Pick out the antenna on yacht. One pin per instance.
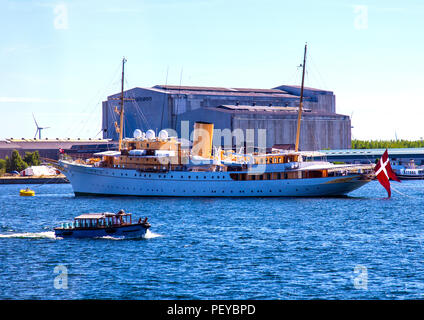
(299, 115)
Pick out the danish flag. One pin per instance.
(384, 172)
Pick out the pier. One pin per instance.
(33, 180)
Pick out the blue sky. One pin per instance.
(60, 59)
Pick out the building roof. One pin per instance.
(46, 144)
(287, 92)
(262, 108)
(218, 89)
(193, 88)
(242, 92)
(294, 89)
(375, 152)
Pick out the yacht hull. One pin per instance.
(87, 180)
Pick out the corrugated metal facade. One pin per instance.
(273, 110)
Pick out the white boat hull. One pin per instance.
(87, 180)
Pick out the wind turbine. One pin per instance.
(38, 129)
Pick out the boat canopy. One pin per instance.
(112, 153)
(100, 215)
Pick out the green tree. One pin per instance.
(16, 162)
(7, 159)
(2, 166)
(383, 144)
(32, 158)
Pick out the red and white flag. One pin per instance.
(384, 172)
(61, 150)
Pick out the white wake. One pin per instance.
(46, 235)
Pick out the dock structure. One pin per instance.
(399, 155)
(235, 109)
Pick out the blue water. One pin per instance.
(216, 248)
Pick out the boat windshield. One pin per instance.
(102, 220)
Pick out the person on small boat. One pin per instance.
(119, 215)
(144, 221)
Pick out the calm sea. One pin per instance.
(360, 247)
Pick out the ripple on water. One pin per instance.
(218, 248)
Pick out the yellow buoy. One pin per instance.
(26, 192)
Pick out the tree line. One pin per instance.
(383, 144)
(17, 163)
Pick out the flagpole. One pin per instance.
(121, 115)
(299, 114)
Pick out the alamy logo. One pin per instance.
(361, 17)
(61, 280)
(60, 17)
(361, 280)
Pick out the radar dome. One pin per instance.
(138, 134)
(163, 135)
(150, 134)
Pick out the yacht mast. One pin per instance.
(121, 114)
(299, 115)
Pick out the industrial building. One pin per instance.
(235, 109)
(49, 148)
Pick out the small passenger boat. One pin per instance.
(95, 225)
(410, 173)
(26, 192)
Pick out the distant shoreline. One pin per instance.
(34, 180)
